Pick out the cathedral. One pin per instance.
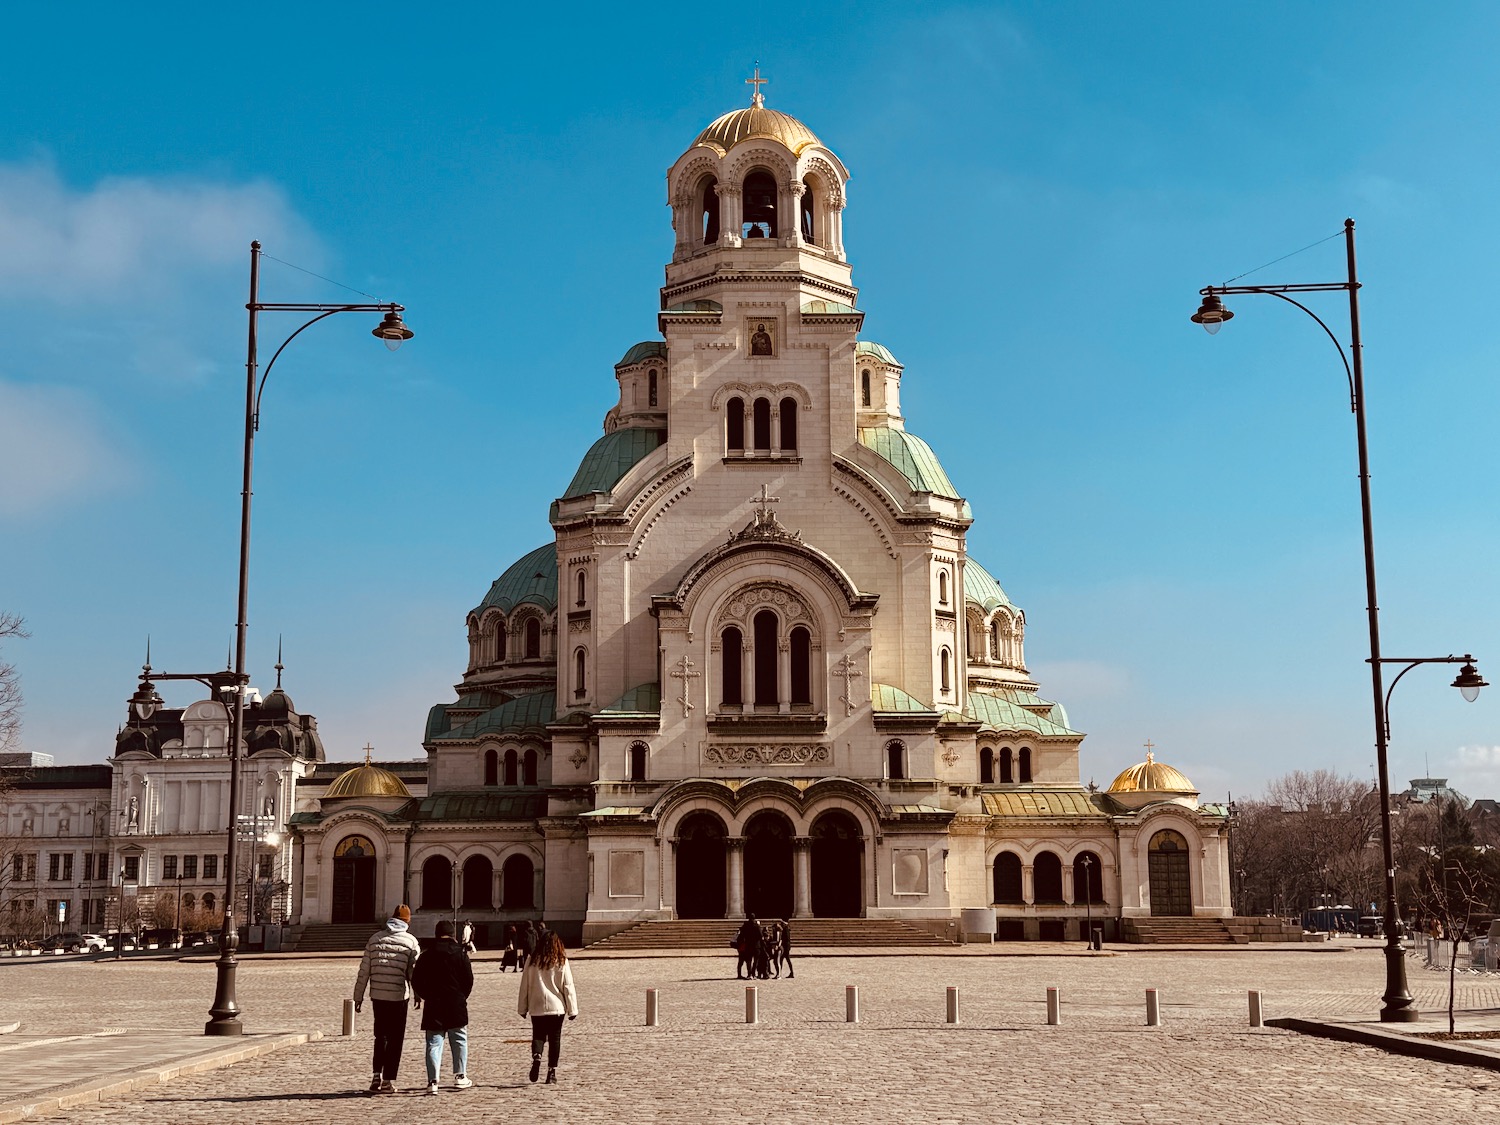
(756, 670)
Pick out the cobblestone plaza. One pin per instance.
(802, 1062)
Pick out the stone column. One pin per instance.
(1067, 888)
(731, 215)
(794, 193)
(802, 876)
(784, 675)
(734, 852)
(1028, 883)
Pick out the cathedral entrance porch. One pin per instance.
(1171, 882)
(354, 880)
(837, 866)
(702, 856)
(768, 866)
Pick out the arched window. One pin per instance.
(437, 884)
(765, 658)
(708, 198)
(942, 587)
(511, 762)
(732, 651)
(1046, 874)
(189, 903)
(528, 768)
(734, 425)
(986, 766)
(1008, 878)
(651, 387)
(801, 667)
(638, 752)
(864, 387)
(582, 584)
(761, 423)
(788, 423)
(945, 671)
(1025, 757)
(759, 195)
(209, 902)
(809, 229)
(1088, 879)
(1007, 767)
(580, 687)
(895, 760)
(533, 638)
(500, 638)
(478, 884)
(517, 877)
(996, 648)
(491, 767)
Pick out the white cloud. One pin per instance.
(1477, 771)
(53, 448)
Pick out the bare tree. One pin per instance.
(1456, 886)
(11, 625)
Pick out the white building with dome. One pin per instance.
(755, 669)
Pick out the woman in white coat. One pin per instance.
(547, 995)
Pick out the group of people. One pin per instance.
(763, 948)
(438, 980)
(520, 944)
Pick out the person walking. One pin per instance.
(784, 948)
(525, 943)
(547, 995)
(747, 943)
(386, 968)
(443, 980)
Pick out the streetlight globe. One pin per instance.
(391, 331)
(1469, 681)
(1211, 314)
(145, 701)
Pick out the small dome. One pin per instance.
(1151, 776)
(981, 588)
(531, 578)
(277, 705)
(367, 781)
(758, 121)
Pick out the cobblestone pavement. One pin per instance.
(802, 1062)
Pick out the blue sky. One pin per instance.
(1038, 192)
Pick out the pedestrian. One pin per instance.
(509, 960)
(386, 967)
(547, 995)
(784, 948)
(525, 943)
(443, 980)
(747, 944)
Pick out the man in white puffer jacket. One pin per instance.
(386, 967)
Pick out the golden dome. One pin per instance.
(1151, 776)
(758, 121)
(367, 781)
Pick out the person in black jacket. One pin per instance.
(443, 979)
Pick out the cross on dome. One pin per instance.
(757, 100)
(1150, 746)
(368, 751)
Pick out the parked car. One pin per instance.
(197, 937)
(93, 943)
(64, 943)
(1371, 925)
(113, 940)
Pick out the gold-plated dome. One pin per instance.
(1151, 776)
(758, 121)
(367, 781)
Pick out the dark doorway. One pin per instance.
(1171, 884)
(353, 880)
(517, 884)
(768, 866)
(837, 867)
(700, 866)
(478, 884)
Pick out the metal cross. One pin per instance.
(1150, 746)
(368, 751)
(849, 670)
(763, 504)
(687, 673)
(758, 98)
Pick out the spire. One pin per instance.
(146, 667)
(279, 665)
(757, 99)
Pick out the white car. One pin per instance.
(93, 943)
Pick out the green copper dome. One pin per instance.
(981, 588)
(532, 578)
(912, 456)
(610, 458)
(868, 347)
(646, 349)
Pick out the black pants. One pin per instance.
(547, 1029)
(390, 1035)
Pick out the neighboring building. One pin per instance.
(1425, 789)
(54, 849)
(756, 669)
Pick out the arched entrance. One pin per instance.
(1171, 882)
(768, 865)
(353, 880)
(837, 866)
(700, 866)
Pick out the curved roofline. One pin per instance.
(825, 563)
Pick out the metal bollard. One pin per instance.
(952, 1004)
(752, 1005)
(650, 1007)
(1054, 1008)
(348, 1018)
(1153, 1008)
(1255, 1012)
(851, 1004)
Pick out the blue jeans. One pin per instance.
(458, 1040)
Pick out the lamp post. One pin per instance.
(224, 1016)
(179, 904)
(1088, 900)
(1397, 1006)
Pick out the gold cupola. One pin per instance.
(1151, 781)
(367, 781)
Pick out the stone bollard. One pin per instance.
(348, 1018)
(752, 1005)
(650, 1007)
(952, 1004)
(851, 1003)
(1054, 1008)
(1153, 1008)
(1255, 1012)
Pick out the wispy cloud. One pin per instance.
(53, 448)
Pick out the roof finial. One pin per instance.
(368, 751)
(757, 100)
(147, 666)
(1149, 747)
(279, 665)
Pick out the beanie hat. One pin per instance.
(402, 912)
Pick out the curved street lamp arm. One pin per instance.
(1280, 291)
(266, 374)
(1413, 662)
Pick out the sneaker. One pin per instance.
(536, 1067)
(387, 1086)
(432, 1087)
(462, 1082)
(375, 1085)
(551, 1076)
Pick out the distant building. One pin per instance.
(1425, 789)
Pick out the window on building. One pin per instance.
(512, 764)
(1025, 759)
(801, 667)
(708, 212)
(734, 425)
(437, 884)
(210, 903)
(518, 878)
(760, 420)
(758, 197)
(491, 767)
(986, 766)
(942, 587)
(189, 867)
(638, 753)
(1046, 874)
(210, 868)
(533, 638)
(88, 866)
(189, 903)
(1088, 879)
(528, 768)
(500, 638)
(945, 671)
(732, 654)
(788, 423)
(169, 867)
(132, 869)
(581, 583)
(580, 688)
(765, 659)
(808, 225)
(895, 761)
(478, 883)
(264, 866)
(651, 388)
(864, 388)
(1008, 878)
(1007, 767)
(54, 867)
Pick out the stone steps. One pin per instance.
(716, 933)
(333, 937)
(1176, 931)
